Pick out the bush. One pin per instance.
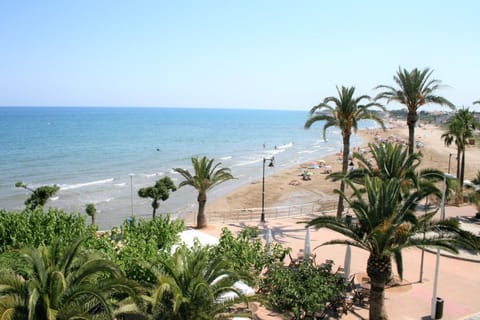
(248, 255)
(138, 241)
(303, 288)
(35, 228)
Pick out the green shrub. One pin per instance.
(248, 255)
(300, 288)
(138, 241)
(35, 228)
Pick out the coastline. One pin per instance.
(285, 187)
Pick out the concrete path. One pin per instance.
(458, 282)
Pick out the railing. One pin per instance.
(253, 214)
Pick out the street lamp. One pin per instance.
(131, 192)
(449, 160)
(262, 218)
(437, 262)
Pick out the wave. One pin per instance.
(86, 184)
(226, 158)
(151, 175)
(123, 184)
(285, 146)
(306, 151)
(54, 198)
(246, 162)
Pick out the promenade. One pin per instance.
(458, 282)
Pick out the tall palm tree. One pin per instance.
(63, 283)
(206, 176)
(386, 224)
(461, 127)
(190, 284)
(160, 191)
(345, 113)
(413, 89)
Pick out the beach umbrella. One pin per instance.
(347, 262)
(306, 249)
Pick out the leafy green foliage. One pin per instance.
(160, 191)
(39, 196)
(61, 281)
(248, 255)
(300, 288)
(91, 211)
(35, 228)
(138, 241)
(190, 283)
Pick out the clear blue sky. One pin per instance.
(235, 54)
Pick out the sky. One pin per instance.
(230, 53)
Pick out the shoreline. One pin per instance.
(286, 187)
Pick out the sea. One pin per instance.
(103, 155)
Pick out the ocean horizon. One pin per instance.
(100, 155)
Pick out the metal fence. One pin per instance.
(254, 214)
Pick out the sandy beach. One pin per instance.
(287, 188)
(458, 281)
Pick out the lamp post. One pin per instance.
(262, 218)
(449, 160)
(437, 262)
(131, 192)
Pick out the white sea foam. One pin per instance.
(151, 175)
(246, 162)
(285, 146)
(123, 184)
(54, 198)
(306, 151)
(86, 184)
(226, 158)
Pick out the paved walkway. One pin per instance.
(458, 283)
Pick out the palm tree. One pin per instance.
(91, 211)
(461, 127)
(160, 191)
(190, 284)
(392, 160)
(414, 89)
(207, 175)
(39, 196)
(345, 113)
(63, 283)
(386, 224)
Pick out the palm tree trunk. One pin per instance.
(411, 122)
(201, 217)
(346, 153)
(154, 212)
(462, 172)
(379, 269)
(459, 172)
(377, 297)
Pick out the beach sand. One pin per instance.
(458, 281)
(287, 188)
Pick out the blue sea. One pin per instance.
(91, 152)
